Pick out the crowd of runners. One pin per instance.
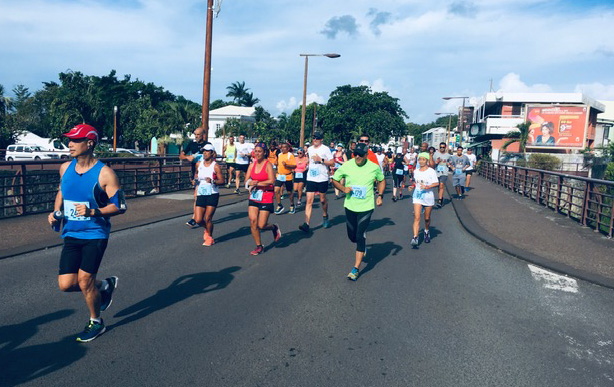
(269, 174)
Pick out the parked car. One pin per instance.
(133, 152)
(47, 144)
(20, 152)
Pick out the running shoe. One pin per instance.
(279, 210)
(106, 295)
(258, 250)
(353, 275)
(394, 199)
(237, 191)
(427, 237)
(401, 196)
(283, 196)
(228, 185)
(304, 227)
(325, 222)
(208, 242)
(192, 223)
(292, 210)
(92, 330)
(276, 232)
(414, 241)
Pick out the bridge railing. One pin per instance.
(589, 201)
(30, 187)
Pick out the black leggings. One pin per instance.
(357, 224)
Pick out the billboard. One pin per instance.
(557, 126)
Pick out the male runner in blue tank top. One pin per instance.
(89, 194)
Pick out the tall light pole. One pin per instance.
(449, 124)
(114, 129)
(207, 76)
(302, 140)
(461, 119)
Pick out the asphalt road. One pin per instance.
(451, 313)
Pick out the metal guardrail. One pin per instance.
(589, 201)
(30, 187)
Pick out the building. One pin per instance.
(435, 136)
(604, 133)
(561, 123)
(218, 118)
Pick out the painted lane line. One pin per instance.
(554, 281)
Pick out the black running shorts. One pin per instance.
(84, 254)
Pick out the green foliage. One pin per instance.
(416, 130)
(520, 136)
(240, 95)
(353, 110)
(544, 162)
(609, 172)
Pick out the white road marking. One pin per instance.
(176, 196)
(554, 281)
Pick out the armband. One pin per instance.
(119, 199)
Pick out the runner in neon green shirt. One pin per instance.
(359, 176)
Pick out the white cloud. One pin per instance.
(377, 86)
(292, 103)
(597, 90)
(511, 83)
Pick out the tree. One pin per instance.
(521, 136)
(353, 110)
(248, 100)
(240, 95)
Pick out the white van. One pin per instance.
(21, 152)
(47, 144)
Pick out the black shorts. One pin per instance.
(231, 165)
(397, 180)
(468, 173)
(84, 254)
(241, 167)
(289, 184)
(300, 180)
(313, 186)
(207, 200)
(261, 206)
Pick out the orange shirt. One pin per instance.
(371, 156)
(281, 170)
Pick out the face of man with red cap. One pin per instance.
(83, 138)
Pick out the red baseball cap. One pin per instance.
(83, 131)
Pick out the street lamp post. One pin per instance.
(114, 128)
(207, 74)
(461, 119)
(302, 139)
(449, 124)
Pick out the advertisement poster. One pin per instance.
(557, 126)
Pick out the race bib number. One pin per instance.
(406, 168)
(298, 175)
(231, 157)
(70, 211)
(281, 177)
(418, 193)
(256, 195)
(442, 168)
(359, 192)
(399, 171)
(337, 165)
(314, 172)
(204, 189)
(458, 171)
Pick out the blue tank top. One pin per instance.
(84, 189)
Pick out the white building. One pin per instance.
(218, 117)
(604, 134)
(435, 136)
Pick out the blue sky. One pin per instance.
(416, 50)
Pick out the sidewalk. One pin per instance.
(32, 232)
(526, 230)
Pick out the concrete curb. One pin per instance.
(55, 242)
(475, 229)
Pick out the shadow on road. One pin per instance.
(238, 233)
(181, 289)
(20, 365)
(231, 216)
(377, 253)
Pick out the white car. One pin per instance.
(21, 152)
(133, 152)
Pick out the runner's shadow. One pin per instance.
(20, 365)
(181, 289)
(379, 223)
(435, 232)
(232, 216)
(238, 233)
(377, 253)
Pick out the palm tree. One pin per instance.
(5, 103)
(521, 136)
(248, 100)
(237, 91)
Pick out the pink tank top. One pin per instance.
(267, 191)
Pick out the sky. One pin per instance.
(417, 51)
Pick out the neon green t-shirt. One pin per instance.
(361, 179)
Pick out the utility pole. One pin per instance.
(207, 75)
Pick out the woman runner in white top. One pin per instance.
(209, 176)
(423, 196)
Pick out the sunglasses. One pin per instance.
(363, 141)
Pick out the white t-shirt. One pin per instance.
(410, 158)
(318, 173)
(472, 159)
(380, 160)
(244, 152)
(426, 197)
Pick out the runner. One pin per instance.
(300, 174)
(364, 139)
(88, 196)
(190, 152)
(380, 156)
(230, 156)
(442, 161)
(398, 174)
(244, 151)
(209, 176)
(425, 179)
(359, 175)
(349, 154)
(424, 147)
(469, 171)
(340, 158)
(261, 191)
(320, 158)
(459, 163)
(285, 166)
